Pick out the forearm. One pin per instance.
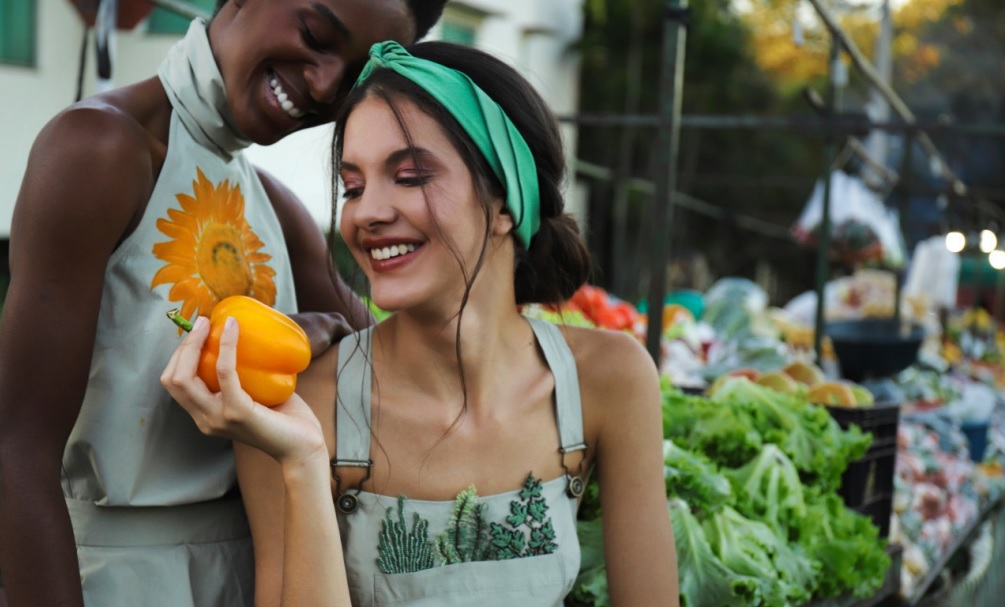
(37, 551)
(313, 564)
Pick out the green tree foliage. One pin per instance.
(765, 174)
(964, 79)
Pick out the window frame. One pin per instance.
(29, 29)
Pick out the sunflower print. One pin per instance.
(212, 253)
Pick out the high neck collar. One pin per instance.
(195, 88)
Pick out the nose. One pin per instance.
(324, 78)
(372, 209)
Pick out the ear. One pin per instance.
(502, 221)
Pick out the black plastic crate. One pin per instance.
(880, 510)
(870, 477)
(880, 420)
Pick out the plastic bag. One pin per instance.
(731, 304)
(933, 275)
(863, 229)
(750, 352)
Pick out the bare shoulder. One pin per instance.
(317, 386)
(322, 368)
(287, 204)
(122, 121)
(88, 136)
(90, 152)
(618, 381)
(294, 218)
(610, 363)
(273, 186)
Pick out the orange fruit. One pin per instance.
(833, 393)
(779, 382)
(804, 372)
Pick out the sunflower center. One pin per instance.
(221, 261)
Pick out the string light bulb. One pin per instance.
(988, 241)
(997, 259)
(956, 241)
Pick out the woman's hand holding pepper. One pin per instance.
(289, 432)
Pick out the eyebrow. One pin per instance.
(332, 18)
(406, 153)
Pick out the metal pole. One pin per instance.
(999, 309)
(905, 194)
(619, 247)
(671, 86)
(887, 91)
(824, 236)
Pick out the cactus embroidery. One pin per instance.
(527, 531)
(400, 550)
(466, 537)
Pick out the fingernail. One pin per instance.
(199, 322)
(230, 323)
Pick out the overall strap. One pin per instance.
(352, 407)
(568, 408)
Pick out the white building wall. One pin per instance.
(533, 35)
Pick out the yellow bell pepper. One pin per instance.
(271, 350)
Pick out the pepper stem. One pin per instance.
(178, 319)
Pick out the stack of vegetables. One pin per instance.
(938, 494)
(592, 306)
(751, 479)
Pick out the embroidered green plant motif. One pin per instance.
(526, 532)
(400, 550)
(466, 538)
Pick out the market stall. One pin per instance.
(766, 451)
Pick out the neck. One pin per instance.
(423, 351)
(194, 86)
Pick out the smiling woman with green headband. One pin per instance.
(445, 450)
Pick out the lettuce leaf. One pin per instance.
(768, 489)
(705, 581)
(847, 544)
(693, 478)
(786, 575)
(807, 433)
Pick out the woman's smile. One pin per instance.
(395, 250)
(283, 98)
(388, 257)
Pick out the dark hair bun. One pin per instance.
(556, 264)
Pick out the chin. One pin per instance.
(388, 304)
(265, 137)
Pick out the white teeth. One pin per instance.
(284, 100)
(391, 251)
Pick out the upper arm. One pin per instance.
(622, 405)
(87, 175)
(318, 286)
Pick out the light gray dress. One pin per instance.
(155, 514)
(514, 548)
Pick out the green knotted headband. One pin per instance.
(484, 121)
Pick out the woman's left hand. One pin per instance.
(289, 432)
